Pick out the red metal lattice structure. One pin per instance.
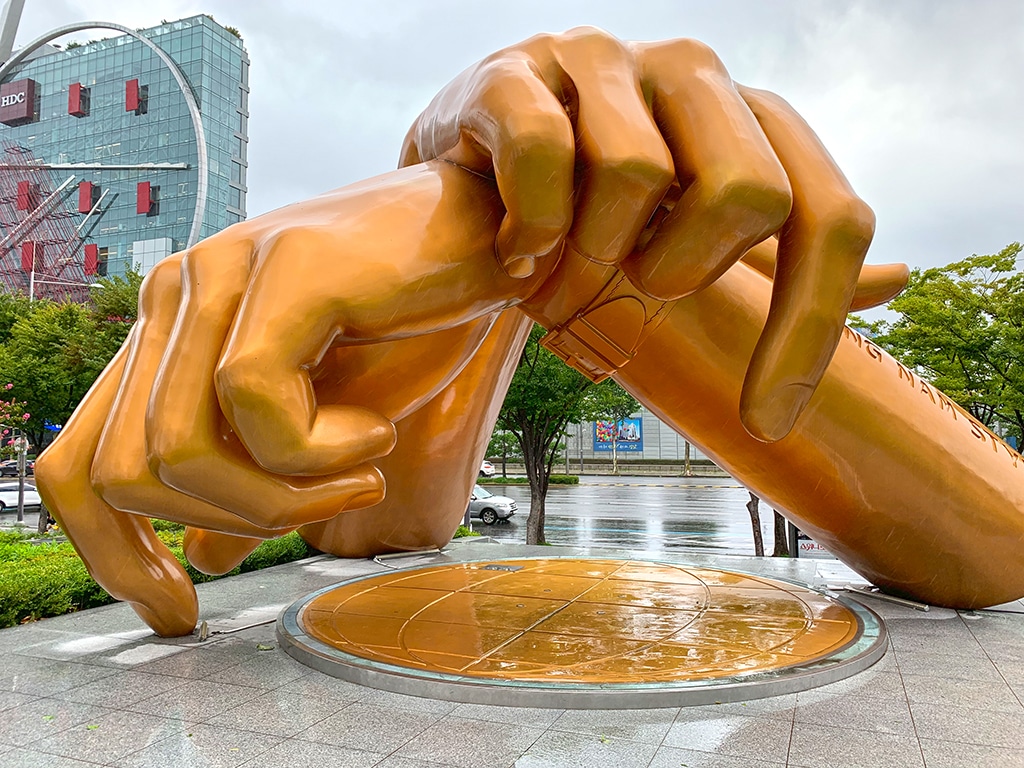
(37, 229)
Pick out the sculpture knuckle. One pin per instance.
(696, 52)
(236, 376)
(687, 53)
(162, 271)
(591, 34)
(101, 477)
(849, 218)
(766, 199)
(547, 132)
(50, 468)
(649, 169)
(167, 448)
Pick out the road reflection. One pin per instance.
(705, 515)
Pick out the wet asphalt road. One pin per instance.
(706, 515)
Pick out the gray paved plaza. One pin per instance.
(97, 688)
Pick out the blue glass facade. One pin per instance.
(111, 113)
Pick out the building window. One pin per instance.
(237, 173)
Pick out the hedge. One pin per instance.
(42, 580)
(552, 480)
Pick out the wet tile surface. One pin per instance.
(954, 702)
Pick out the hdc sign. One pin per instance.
(17, 102)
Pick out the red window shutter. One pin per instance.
(25, 190)
(28, 250)
(85, 196)
(143, 197)
(131, 95)
(76, 100)
(92, 258)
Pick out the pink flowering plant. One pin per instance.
(12, 416)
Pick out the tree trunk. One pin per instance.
(615, 451)
(537, 473)
(535, 522)
(686, 460)
(781, 540)
(755, 522)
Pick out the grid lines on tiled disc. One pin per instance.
(580, 620)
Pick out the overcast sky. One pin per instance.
(920, 102)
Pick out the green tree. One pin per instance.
(12, 307)
(544, 397)
(52, 352)
(962, 327)
(117, 298)
(610, 402)
(504, 444)
(50, 360)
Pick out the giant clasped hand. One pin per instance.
(334, 363)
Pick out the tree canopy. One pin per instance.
(962, 327)
(52, 352)
(610, 402)
(545, 396)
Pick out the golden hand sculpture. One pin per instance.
(283, 368)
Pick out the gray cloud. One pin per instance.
(920, 102)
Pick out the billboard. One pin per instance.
(630, 435)
(18, 102)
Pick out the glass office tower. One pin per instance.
(120, 151)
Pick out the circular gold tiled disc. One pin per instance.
(579, 621)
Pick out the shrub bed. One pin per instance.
(553, 480)
(49, 579)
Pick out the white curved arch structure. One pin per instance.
(179, 77)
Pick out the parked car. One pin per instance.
(486, 469)
(490, 508)
(9, 498)
(9, 467)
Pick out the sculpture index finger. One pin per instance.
(821, 251)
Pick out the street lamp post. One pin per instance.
(21, 445)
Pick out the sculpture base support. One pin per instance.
(581, 633)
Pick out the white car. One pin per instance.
(9, 497)
(490, 508)
(486, 469)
